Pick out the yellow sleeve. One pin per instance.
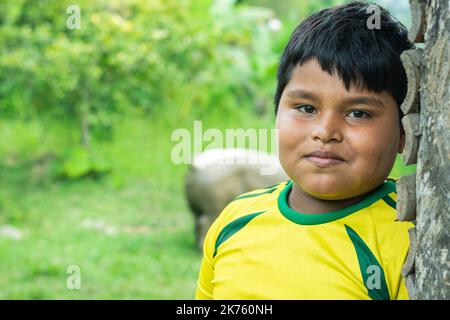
(204, 285)
(206, 275)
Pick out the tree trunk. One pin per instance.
(432, 274)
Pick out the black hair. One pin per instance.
(341, 41)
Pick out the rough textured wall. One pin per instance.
(432, 259)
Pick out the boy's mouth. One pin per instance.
(324, 154)
(323, 158)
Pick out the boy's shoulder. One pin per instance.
(252, 202)
(263, 192)
(241, 210)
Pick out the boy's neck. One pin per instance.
(300, 201)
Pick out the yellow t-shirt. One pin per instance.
(260, 248)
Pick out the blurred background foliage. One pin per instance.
(86, 117)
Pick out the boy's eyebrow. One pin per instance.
(370, 101)
(300, 93)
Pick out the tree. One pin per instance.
(424, 198)
(433, 167)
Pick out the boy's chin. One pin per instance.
(334, 190)
(328, 196)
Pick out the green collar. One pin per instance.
(312, 219)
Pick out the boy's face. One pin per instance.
(316, 112)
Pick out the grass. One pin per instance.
(132, 242)
(130, 233)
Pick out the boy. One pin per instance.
(331, 231)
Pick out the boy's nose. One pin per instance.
(327, 129)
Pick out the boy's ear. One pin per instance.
(401, 145)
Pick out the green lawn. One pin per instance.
(132, 242)
(130, 232)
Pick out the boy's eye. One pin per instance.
(306, 108)
(359, 114)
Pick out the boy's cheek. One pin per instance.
(291, 136)
(287, 142)
(289, 152)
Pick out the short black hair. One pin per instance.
(340, 40)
